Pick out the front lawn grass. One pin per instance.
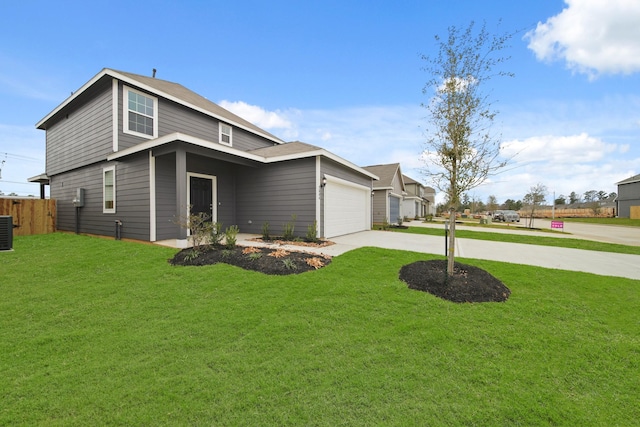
(96, 331)
(588, 245)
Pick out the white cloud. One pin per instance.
(558, 149)
(593, 36)
(566, 148)
(257, 115)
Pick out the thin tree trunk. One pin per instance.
(452, 242)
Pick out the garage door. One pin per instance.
(347, 207)
(394, 209)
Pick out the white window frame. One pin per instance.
(221, 126)
(125, 113)
(106, 169)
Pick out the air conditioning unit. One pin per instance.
(6, 233)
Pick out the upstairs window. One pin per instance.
(225, 134)
(109, 189)
(140, 114)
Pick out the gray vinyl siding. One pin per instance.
(628, 195)
(329, 167)
(166, 215)
(397, 185)
(275, 192)
(133, 196)
(380, 200)
(132, 199)
(173, 117)
(82, 136)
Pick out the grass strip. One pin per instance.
(588, 245)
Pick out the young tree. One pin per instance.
(533, 199)
(462, 151)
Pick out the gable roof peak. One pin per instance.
(169, 90)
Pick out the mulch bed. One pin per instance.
(468, 283)
(275, 261)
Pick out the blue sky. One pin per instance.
(346, 76)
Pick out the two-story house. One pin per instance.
(419, 199)
(145, 152)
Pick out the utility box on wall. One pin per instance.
(78, 201)
(6, 233)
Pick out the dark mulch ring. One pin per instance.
(264, 260)
(468, 283)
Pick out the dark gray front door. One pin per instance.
(201, 196)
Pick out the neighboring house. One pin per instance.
(430, 196)
(147, 152)
(628, 196)
(419, 200)
(388, 193)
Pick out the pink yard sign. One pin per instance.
(557, 224)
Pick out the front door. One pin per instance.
(201, 196)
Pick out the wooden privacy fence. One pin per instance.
(570, 213)
(30, 216)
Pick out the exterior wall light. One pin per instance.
(324, 181)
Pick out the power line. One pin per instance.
(20, 157)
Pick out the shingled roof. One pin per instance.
(386, 173)
(635, 178)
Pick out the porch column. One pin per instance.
(181, 189)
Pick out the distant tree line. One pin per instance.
(533, 199)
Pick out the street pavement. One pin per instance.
(601, 263)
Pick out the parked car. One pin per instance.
(506, 216)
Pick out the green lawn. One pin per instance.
(96, 332)
(527, 239)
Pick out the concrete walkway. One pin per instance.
(602, 263)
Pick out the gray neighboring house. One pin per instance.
(388, 193)
(628, 196)
(145, 152)
(419, 200)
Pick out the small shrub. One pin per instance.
(385, 224)
(289, 264)
(265, 231)
(312, 232)
(216, 233)
(191, 255)
(400, 219)
(231, 236)
(226, 253)
(255, 256)
(429, 218)
(289, 228)
(199, 226)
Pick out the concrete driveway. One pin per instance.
(602, 263)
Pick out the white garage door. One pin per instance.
(347, 207)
